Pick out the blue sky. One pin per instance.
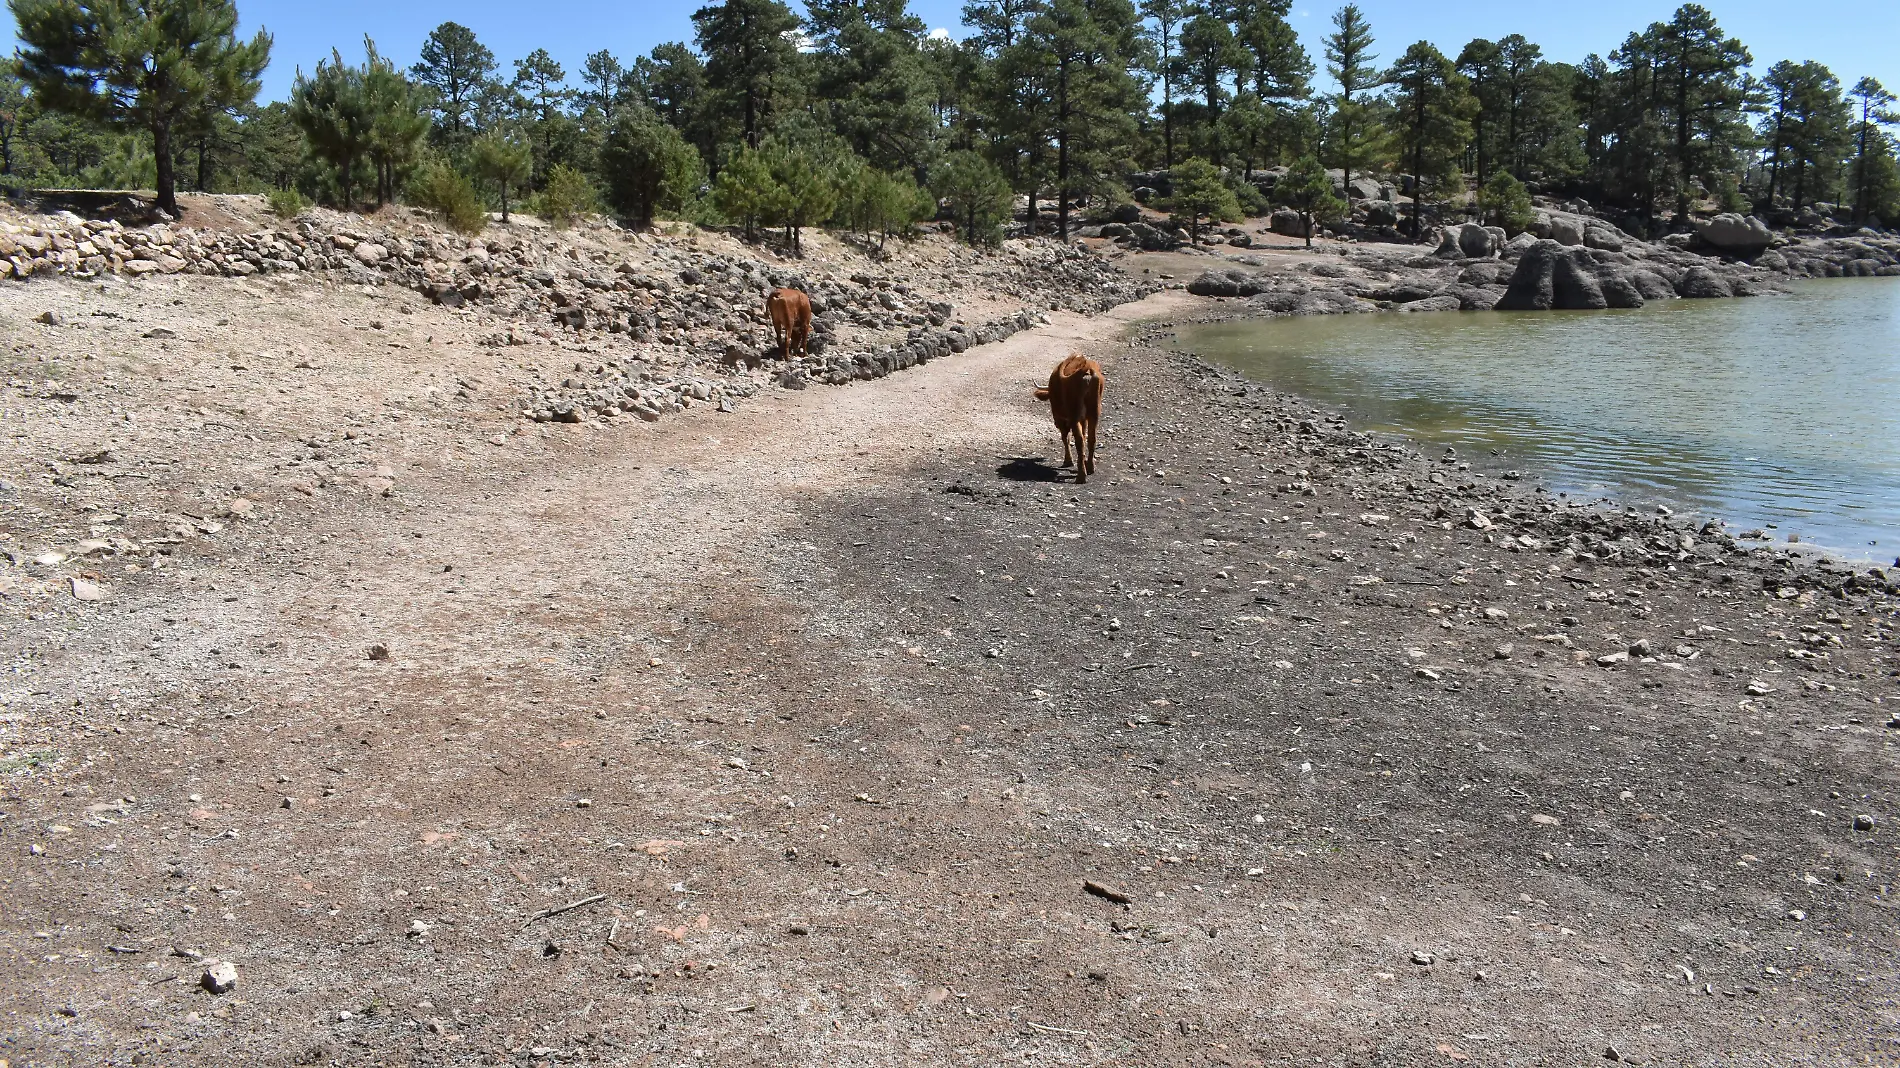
(1852, 38)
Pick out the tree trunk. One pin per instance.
(1062, 154)
(1167, 126)
(167, 181)
(504, 202)
(1860, 173)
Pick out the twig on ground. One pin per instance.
(570, 907)
(1055, 1030)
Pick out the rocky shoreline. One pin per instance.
(1564, 262)
(1480, 772)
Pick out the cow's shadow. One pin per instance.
(1028, 469)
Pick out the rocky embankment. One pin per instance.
(1517, 516)
(1566, 262)
(684, 320)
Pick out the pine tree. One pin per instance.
(507, 163)
(649, 167)
(1083, 48)
(975, 193)
(1808, 130)
(1308, 189)
(746, 190)
(607, 81)
(1432, 109)
(145, 66)
(1875, 104)
(1200, 190)
(1704, 75)
(540, 86)
(332, 110)
(1479, 62)
(1211, 57)
(398, 127)
(872, 78)
(455, 66)
(807, 184)
(1167, 17)
(748, 60)
(1349, 59)
(1281, 72)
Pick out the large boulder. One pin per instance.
(1149, 238)
(1515, 247)
(1602, 236)
(1468, 241)
(1364, 188)
(1551, 276)
(1287, 222)
(1574, 285)
(1736, 235)
(1225, 284)
(1480, 274)
(1701, 282)
(1619, 291)
(1566, 229)
(1442, 302)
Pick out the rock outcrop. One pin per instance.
(1736, 235)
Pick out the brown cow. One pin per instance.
(790, 310)
(1075, 399)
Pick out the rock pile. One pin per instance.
(685, 323)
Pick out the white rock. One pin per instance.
(220, 976)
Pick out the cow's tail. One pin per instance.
(1042, 393)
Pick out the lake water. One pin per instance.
(1780, 410)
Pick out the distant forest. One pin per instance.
(854, 116)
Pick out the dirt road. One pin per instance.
(809, 723)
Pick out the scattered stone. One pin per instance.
(220, 976)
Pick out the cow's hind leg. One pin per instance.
(1062, 430)
(1082, 466)
(1091, 444)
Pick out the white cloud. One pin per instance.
(940, 34)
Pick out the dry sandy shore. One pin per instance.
(811, 720)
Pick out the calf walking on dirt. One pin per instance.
(1075, 400)
(790, 310)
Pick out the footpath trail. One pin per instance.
(836, 731)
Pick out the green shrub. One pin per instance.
(566, 197)
(287, 203)
(1201, 190)
(1504, 202)
(1252, 202)
(976, 194)
(442, 189)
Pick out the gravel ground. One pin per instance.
(816, 721)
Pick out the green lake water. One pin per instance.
(1780, 410)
